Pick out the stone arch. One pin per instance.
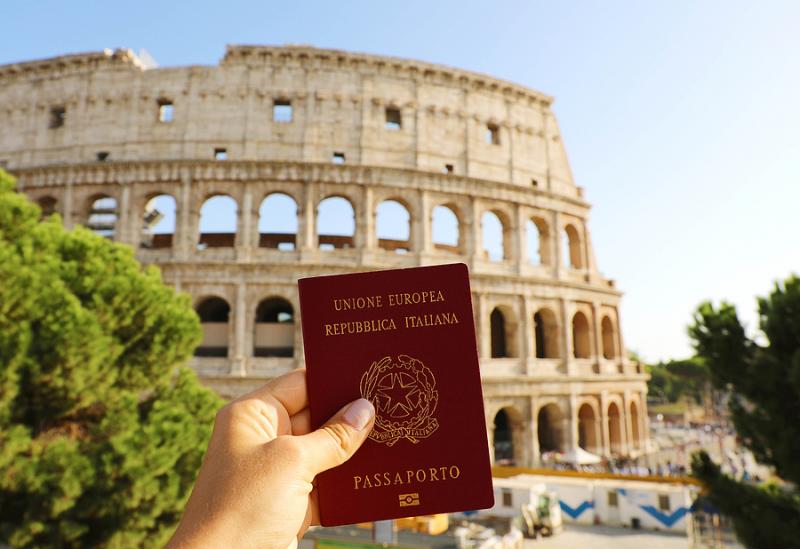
(47, 204)
(214, 313)
(614, 428)
(274, 328)
(635, 435)
(573, 253)
(446, 228)
(103, 215)
(507, 436)
(336, 223)
(393, 225)
(550, 428)
(158, 221)
(218, 220)
(546, 334)
(495, 235)
(608, 338)
(503, 328)
(538, 241)
(588, 423)
(277, 222)
(581, 341)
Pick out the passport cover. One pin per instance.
(405, 340)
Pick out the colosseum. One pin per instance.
(253, 161)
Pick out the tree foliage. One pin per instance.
(101, 435)
(679, 380)
(764, 380)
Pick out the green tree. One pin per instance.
(680, 380)
(101, 435)
(764, 383)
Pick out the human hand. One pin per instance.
(256, 485)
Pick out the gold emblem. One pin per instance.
(404, 394)
(408, 500)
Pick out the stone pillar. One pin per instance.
(69, 220)
(182, 240)
(597, 336)
(123, 229)
(535, 457)
(244, 226)
(477, 236)
(526, 329)
(567, 345)
(422, 237)
(572, 418)
(606, 442)
(483, 328)
(585, 248)
(621, 355)
(598, 437)
(626, 415)
(558, 259)
(307, 218)
(522, 238)
(238, 366)
(366, 236)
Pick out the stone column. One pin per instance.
(606, 442)
(482, 328)
(477, 226)
(366, 236)
(307, 218)
(597, 336)
(526, 332)
(621, 355)
(535, 458)
(123, 228)
(572, 418)
(244, 226)
(598, 437)
(567, 345)
(626, 415)
(422, 239)
(182, 240)
(69, 220)
(238, 366)
(522, 238)
(558, 259)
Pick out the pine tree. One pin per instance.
(764, 383)
(101, 433)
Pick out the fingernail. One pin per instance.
(359, 413)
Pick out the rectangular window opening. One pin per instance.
(534, 183)
(58, 116)
(337, 158)
(394, 119)
(612, 499)
(448, 168)
(165, 110)
(507, 498)
(493, 134)
(282, 111)
(102, 156)
(663, 502)
(220, 154)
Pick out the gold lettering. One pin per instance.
(432, 472)
(377, 477)
(420, 472)
(356, 479)
(457, 473)
(398, 479)
(386, 479)
(367, 483)
(327, 329)
(409, 474)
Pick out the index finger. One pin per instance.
(288, 389)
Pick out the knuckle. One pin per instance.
(341, 439)
(290, 449)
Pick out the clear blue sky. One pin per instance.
(681, 118)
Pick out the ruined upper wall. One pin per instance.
(339, 102)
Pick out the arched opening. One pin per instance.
(445, 229)
(492, 231)
(393, 226)
(549, 429)
(274, 328)
(572, 248)
(503, 439)
(214, 313)
(218, 222)
(537, 238)
(546, 334)
(158, 223)
(103, 216)
(587, 428)
(636, 442)
(614, 429)
(498, 332)
(580, 336)
(607, 329)
(336, 223)
(47, 204)
(277, 222)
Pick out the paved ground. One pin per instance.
(606, 537)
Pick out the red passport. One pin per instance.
(405, 340)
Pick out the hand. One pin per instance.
(256, 485)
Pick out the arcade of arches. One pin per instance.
(597, 425)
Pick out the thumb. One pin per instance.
(337, 440)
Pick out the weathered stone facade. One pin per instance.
(96, 136)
